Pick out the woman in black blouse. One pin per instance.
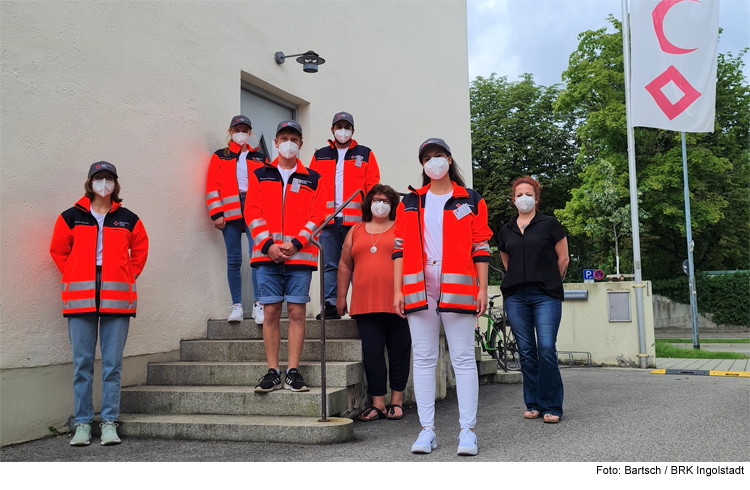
(534, 250)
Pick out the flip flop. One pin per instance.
(550, 418)
(363, 416)
(390, 411)
(532, 414)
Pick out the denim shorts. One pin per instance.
(278, 283)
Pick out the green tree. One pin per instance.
(718, 163)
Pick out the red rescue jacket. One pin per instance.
(222, 190)
(124, 253)
(360, 172)
(273, 218)
(465, 241)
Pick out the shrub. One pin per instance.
(727, 296)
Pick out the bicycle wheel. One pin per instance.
(513, 357)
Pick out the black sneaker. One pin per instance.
(294, 381)
(271, 381)
(331, 313)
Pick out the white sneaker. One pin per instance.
(467, 443)
(258, 313)
(426, 442)
(237, 313)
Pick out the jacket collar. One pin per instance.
(84, 203)
(300, 169)
(458, 191)
(352, 143)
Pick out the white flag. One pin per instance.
(674, 49)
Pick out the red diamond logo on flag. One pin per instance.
(669, 109)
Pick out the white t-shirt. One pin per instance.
(242, 171)
(100, 219)
(285, 177)
(433, 225)
(339, 198)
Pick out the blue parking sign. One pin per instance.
(588, 274)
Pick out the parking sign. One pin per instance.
(588, 274)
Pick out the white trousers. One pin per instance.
(459, 331)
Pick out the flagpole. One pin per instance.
(642, 356)
(690, 247)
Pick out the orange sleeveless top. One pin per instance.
(372, 281)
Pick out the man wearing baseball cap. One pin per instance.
(284, 205)
(346, 167)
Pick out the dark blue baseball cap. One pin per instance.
(433, 142)
(343, 116)
(240, 120)
(289, 124)
(99, 166)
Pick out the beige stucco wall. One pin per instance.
(585, 326)
(150, 87)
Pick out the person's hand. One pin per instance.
(341, 306)
(277, 254)
(288, 248)
(481, 302)
(398, 304)
(219, 223)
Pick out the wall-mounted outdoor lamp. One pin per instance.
(309, 60)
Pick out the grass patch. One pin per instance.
(707, 341)
(664, 349)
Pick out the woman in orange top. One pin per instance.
(367, 253)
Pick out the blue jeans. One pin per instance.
(82, 331)
(332, 240)
(279, 283)
(530, 309)
(233, 240)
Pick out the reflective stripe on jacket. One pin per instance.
(273, 218)
(360, 172)
(124, 253)
(222, 190)
(465, 241)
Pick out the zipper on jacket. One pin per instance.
(440, 293)
(421, 241)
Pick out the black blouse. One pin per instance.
(531, 256)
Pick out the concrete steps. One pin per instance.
(247, 373)
(254, 350)
(242, 428)
(229, 400)
(209, 393)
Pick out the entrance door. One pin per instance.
(265, 112)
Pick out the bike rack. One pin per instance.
(314, 241)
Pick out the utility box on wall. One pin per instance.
(604, 324)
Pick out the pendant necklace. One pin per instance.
(374, 249)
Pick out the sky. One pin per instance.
(512, 37)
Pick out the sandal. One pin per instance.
(389, 409)
(364, 415)
(551, 418)
(532, 414)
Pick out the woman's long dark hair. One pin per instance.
(453, 171)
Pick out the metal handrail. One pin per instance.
(315, 242)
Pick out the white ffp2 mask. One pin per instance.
(240, 138)
(436, 167)
(103, 187)
(342, 135)
(288, 149)
(380, 209)
(525, 203)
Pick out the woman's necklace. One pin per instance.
(374, 249)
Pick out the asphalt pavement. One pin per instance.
(611, 415)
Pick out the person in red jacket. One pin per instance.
(346, 167)
(226, 188)
(100, 248)
(284, 206)
(441, 257)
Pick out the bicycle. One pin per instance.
(498, 341)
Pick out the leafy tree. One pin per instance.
(718, 163)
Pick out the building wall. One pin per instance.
(151, 87)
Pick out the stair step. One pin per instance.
(244, 428)
(247, 373)
(229, 400)
(487, 366)
(254, 350)
(247, 329)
